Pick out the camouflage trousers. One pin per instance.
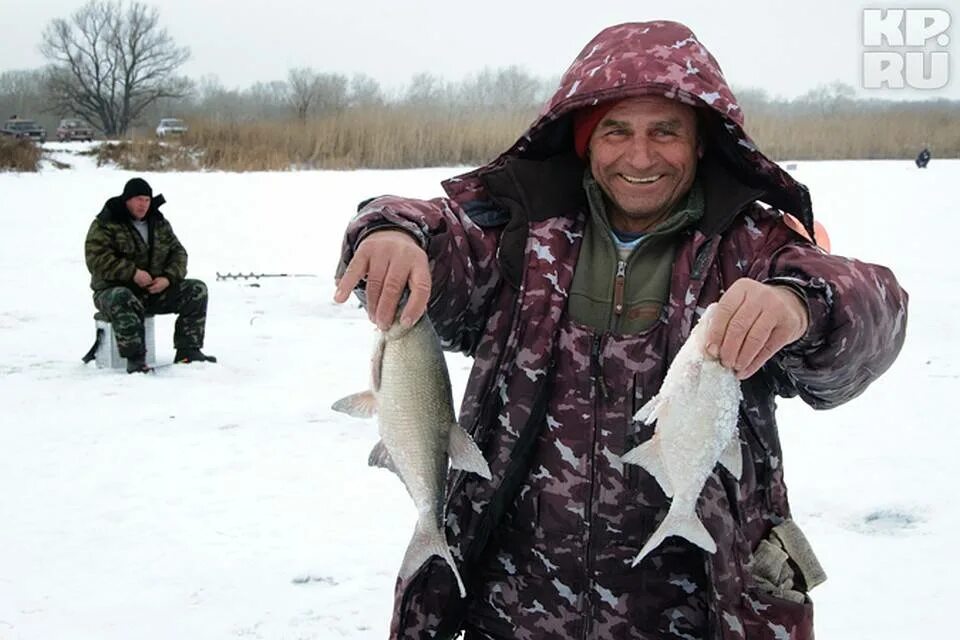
(126, 310)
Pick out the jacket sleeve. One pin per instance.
(175, 268)
(462, 258)
(858, 314)
(103, 260)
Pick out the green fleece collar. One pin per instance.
(627, 296)
(687, 212)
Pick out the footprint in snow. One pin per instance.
(307, 579)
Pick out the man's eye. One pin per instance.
(664, 133)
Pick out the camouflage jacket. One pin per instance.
(115, 250)
(545, 546)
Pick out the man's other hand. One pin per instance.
(389, 261)
(159, 284)
(753, 321)
(142, 279)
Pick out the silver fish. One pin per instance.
(410, 393)
(696, 415)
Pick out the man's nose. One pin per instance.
(641, 154)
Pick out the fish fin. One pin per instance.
(650, 411)
(380, 457)
(732, 458)
(376, 364)
(647, 456)
(428, 541)
(465, 454)
(689, 527)
(358, 405)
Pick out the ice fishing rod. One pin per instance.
(257, 276)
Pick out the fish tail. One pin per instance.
(428, 541)
(685, 525)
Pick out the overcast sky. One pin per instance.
(786, 48)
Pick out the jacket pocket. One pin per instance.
(767, 617)
(782, 569)
(784, 564)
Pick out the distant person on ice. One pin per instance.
(138, 267)
(572, 268)
(923, 158)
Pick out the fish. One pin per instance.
(420, 437)
(696, 412)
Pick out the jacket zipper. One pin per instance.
(619, 283)
(600, 391)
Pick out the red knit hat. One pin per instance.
(585, 121)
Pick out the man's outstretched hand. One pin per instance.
(752, 322)
(390, 261)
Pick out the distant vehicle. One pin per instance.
(24, 129)
(74, 129)
(171, 127)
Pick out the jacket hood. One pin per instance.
(115, 210)
(653, 58)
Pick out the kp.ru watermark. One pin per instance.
(906, 48)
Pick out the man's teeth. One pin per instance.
(640, 180)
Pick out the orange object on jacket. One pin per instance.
(823, 238)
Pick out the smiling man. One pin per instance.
(572, 268)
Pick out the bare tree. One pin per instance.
(500, 89)
(21, 93)
(425, 89)
(331, 92)
(267, 99)
(827, 99)
(365, 91)
(303, 90)
(111, 62)
(311, 92)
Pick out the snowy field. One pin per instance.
(229, 501)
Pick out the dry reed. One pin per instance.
(393, 137)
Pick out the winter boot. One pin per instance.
(138, 364)
(186, 356)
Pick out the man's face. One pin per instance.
(138, 206)
(644, 154)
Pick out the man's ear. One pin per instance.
(701, 133)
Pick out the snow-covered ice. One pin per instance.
(228, 500)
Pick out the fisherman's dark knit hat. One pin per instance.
(136, 187)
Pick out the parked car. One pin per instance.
(74, 129)
(171, 127)
(24, 129)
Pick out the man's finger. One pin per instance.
(419, 294)
(728, 304)
(737, 329)
(777, 341)
(755, 340)
(351, 277)
(393, 285)
(376, 273)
